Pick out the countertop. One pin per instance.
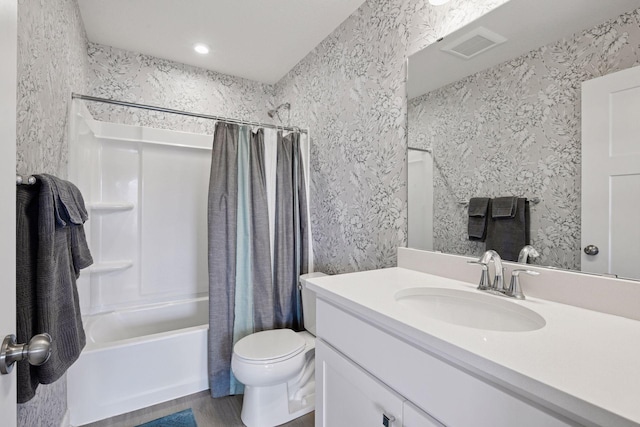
(585, 362)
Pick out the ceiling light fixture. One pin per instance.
(201, 48)
(437, 2)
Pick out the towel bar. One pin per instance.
(30, 180)
(533, 201)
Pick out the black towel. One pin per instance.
(50, 251)
(477, 226)
(508, 228)
(504, 207)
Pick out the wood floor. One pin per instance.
(209, 412)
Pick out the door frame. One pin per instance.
(8, 86)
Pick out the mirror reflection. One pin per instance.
(509, 121)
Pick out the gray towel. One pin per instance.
(51, 249)
(508, 234)
(477, 226)
(504, 207)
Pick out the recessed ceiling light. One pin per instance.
(201, 48)
(438, 2)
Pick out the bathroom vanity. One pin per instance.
(388, 354)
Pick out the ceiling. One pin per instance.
(525, 24)
(256, 39)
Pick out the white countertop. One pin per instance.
(583, 361)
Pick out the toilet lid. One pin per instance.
(269, 345)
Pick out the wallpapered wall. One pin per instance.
(350, 91)
(515, 130)
(128, 76)
(52, 62)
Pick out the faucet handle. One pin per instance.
(516, 272)
(484, 277)
(515, 290)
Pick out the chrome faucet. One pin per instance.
(497, 285)
(527, 252)
(498, 280)
(515, 290)
(485, 283)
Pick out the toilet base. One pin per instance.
(271, 406)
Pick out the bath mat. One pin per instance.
(179, 419)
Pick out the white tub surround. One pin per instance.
(139, 357)
(579, 368)
(146, 190)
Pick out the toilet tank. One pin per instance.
(309, 302)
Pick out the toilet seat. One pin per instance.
(269, 346)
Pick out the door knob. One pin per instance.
(37, 352)
(591, 250)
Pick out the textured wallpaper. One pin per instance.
(128, 76)
(515, 130)
(52, 62)
(350, 91)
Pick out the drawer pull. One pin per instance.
(387, 420)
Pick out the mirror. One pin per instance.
(507, 120)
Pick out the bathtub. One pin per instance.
(139, 357)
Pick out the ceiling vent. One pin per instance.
(474, 43)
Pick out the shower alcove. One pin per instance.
(144, 300)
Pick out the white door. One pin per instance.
(8, 22)
(611, 174)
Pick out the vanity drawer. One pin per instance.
(449, 394)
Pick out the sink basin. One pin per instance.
(470, 309)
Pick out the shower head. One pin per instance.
(275, 111)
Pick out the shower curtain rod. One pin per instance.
(184, 113)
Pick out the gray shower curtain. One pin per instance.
(245, 295)
(291, 256)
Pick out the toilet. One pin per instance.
(277, 368)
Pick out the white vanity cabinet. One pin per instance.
(351, 397)
(364, 372)
(412, 416)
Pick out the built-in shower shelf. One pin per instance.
(108, 267)
(110, 207)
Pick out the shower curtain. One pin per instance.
(258, 241)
